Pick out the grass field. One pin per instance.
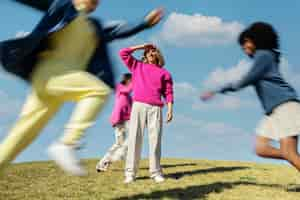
(186, 179)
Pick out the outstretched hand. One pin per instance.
(207, 96)
(154, 16)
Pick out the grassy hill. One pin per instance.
(186, 179)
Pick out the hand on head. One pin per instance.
(149, 46)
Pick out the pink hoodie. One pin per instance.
(123, 102)
(150, 82)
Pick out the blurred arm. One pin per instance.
(41, 5)
(122, 29)
(262, 63)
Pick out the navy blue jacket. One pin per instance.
(18, 55)
(271, 88)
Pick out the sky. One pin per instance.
(198, 40)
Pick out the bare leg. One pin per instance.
(264, 149)
(289, 151)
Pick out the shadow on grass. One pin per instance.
(178, 175)
(198, 191)
(293, 188)
(173, 165)
(164, 166)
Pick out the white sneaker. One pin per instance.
(129, 179)
(158, 178)
(64, 156)
(118, 154)
(103, 166)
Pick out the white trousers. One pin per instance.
(142, 116)
(118, 150)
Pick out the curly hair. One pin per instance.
(263, 35)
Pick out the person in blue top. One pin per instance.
(65, 58)
(279, 100)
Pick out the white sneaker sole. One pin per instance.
(129, 181)
(59, 153)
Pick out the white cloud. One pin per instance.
(225, 103)
(184, 90)
(198, 30)
(207, 139)
(205, 127)
(221, 76)
(289, 72)
(187, 93)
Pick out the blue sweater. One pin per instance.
(272, 90)
(18, 56)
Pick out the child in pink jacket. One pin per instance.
(151, 83)
(119, 119)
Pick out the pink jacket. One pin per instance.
(151, 82)
(122, 106)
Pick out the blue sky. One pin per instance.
(198, 39)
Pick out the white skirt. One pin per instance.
(283, 122)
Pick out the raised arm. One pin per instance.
(126, 56)
(41, 5)
(121, 29)
(262, 63)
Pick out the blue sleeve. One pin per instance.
(45, 5)
(262, 63)
(41, 5)
(121, 29)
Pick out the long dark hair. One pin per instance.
(125, 78)
(263, 35)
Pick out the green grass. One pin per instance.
(186, 179)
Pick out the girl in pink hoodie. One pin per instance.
(119, 120)
(151, 83)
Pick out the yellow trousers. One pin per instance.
(49, 92)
